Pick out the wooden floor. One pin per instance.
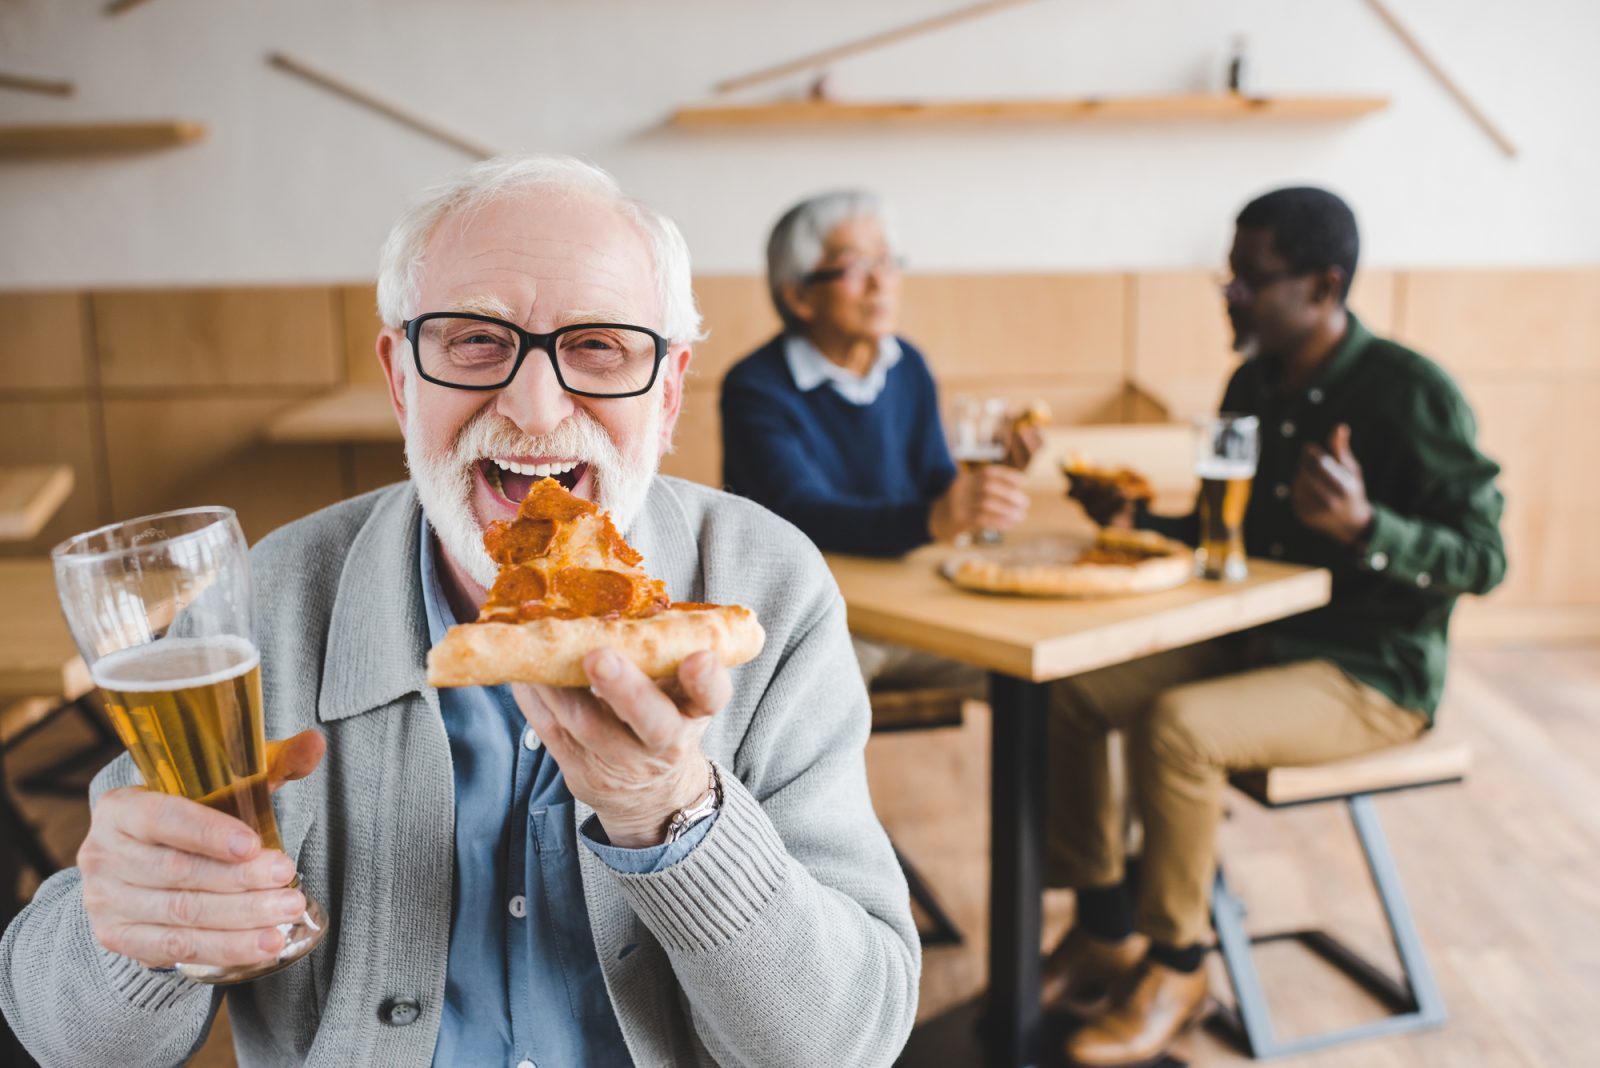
(1503, 874)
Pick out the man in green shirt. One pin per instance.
(1368, 468)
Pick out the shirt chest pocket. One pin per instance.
(560, 945)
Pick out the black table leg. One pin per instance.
(1016, 882)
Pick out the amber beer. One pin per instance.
(1224, 498)
(189, 712)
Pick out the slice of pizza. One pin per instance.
(1026, 434)
(569, 584)
(1125, 480)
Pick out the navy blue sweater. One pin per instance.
(856, 479)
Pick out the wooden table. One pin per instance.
(30, 496)
(1025, 644)
(350, 414)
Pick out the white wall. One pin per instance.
(294, 184)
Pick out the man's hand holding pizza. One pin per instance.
(629, 746)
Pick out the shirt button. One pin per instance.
(1378, 561)
(526, 1064)
(518, 906)
(1275, 550)
(1287, 429)
(1315, 396)
(1281, 491)
(1424, 580)
(399, 1012)
(530, 740)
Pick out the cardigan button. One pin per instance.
(399, 1012)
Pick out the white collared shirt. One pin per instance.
(810, 369)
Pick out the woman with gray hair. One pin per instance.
(834, 424)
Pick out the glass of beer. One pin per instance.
(162, 610)
(1226, 450)
(978, 438)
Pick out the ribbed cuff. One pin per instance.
(145, 989)
(717, 890)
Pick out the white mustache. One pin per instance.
(579, 437)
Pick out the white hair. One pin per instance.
(794, 248)
(401, 262)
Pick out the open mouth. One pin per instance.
(512, 479)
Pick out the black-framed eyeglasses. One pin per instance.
(465, 351)
(1236, 288)
(855, 271)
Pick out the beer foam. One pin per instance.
(1223, 469)
(175, 663)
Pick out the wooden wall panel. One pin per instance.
(738, 319)
(55, 431)
(44, 341)
(358, 309)
(1513, 321)
(218, 337)
(990, 326)
(1019, 326)
(1183, 347)
(1545, 436)
(178, 452)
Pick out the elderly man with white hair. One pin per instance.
(680, 873)
(834, 424)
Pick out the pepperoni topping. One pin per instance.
(519, 541)
(549, 499)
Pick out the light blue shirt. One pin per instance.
(810, 369)
(522, 982)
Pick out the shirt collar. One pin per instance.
(434, 601)
(810, 369)
(1356, 337)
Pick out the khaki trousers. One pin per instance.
(1189, 717)
(888, 665)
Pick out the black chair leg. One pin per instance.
(944, 932)
(58, 778)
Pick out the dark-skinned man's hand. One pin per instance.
(1329, 493)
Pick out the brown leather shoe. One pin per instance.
(1083, 972)
(1144, 1021)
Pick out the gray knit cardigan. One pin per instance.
(784, 938)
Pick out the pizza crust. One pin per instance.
(551, 651)
(1048, 569)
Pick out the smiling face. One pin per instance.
(540, 260)
(863, 302)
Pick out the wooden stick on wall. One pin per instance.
(372, 102)
(117, 7)
(1415, 48)
(867, 44)
(45, 86)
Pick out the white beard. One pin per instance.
(444, 478)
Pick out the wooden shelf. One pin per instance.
(348, 415)
(1147, 108)
(49, 139)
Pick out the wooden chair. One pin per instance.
(1414, 1000)
(895, 709)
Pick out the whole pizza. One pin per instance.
(1116, 562)
(569, 584)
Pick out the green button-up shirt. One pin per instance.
(1436, 512)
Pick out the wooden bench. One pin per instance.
(1414, 999)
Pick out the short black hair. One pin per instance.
(1312, 229)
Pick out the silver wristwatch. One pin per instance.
(685, 818)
